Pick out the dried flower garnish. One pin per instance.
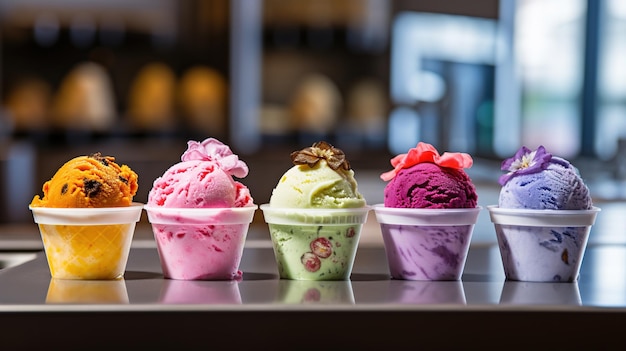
(525, 161)
(321, 150)
(424, 152)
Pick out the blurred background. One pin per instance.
(136, 79)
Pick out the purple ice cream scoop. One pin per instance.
(557, 187)
(543, 219)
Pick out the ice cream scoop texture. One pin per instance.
(422, 178)
(89, 182)
(203, 179)
(320, 178)
(538, 180)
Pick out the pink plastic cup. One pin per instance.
(200, 243)
(426, 244)
(542, 245)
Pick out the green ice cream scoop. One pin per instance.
(319, 186)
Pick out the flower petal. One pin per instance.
(213, 150)
(424, 152)
(525, 161)
(455, 160)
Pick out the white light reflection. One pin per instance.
(439, 37)
(610, 125)
(549, 36)
(549, 47)
(404, 130)
(606, 272)
(507, 92)
(426, 86)
(617, 8)
(245, 51)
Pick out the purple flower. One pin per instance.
(525, 161)
(213, 150)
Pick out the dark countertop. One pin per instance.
(483, 309)
(144, 309)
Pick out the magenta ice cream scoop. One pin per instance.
(428, 185)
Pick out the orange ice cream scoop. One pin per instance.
(89, 181)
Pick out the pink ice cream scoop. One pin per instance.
(203, 179)
(200, 215)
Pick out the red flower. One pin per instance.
(424, 152)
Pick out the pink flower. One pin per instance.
(424, 152)
(215, 151)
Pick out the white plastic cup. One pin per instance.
(426, 244)
(315, 244)
(200, 243)
(87, 243)
(542, 245)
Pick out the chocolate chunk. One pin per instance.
(565, 257)
(92, 187)
(102, 159)
(64, 189)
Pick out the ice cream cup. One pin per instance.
(542, 245)
(426, 244)
(87, 243)
(87, 291)
(315, 244)
(200, 243)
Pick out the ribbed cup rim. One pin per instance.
(87, 216)
(542, 218)
(315, 216)
(219, 215)
(426, 216)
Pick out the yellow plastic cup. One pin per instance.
(87, 243)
